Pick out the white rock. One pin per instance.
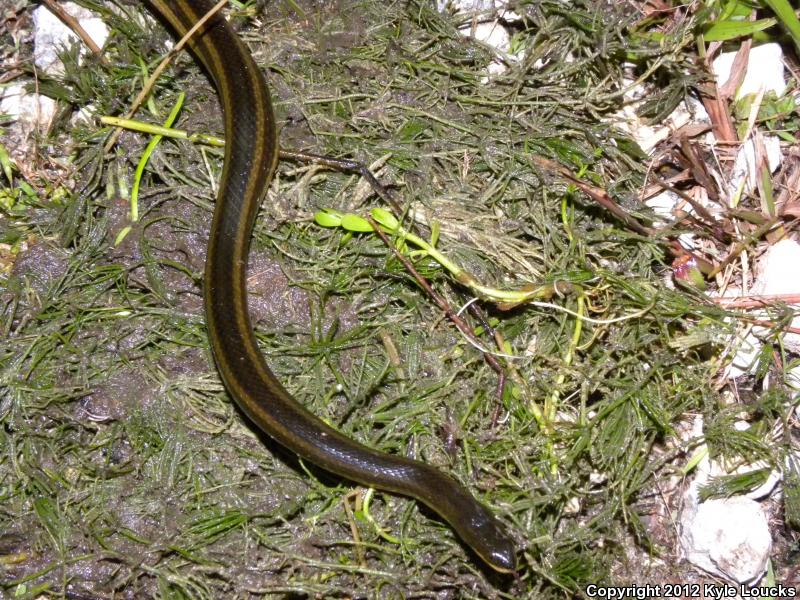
(573, 506)
(486, 27)
(463, 6)
(597, 478)
(766, 488)
(708, 469)
(744, 351)
(663, 204)
(51, 36)
(793, 381)
(648, 136)
(84, 116)
(764, 73)
(33, 112)
(778, 274)
(764, 70)
(728, 537)
(491, 33)
(745, 167)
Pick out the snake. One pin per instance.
(250, 160)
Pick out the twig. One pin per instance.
(75, 25)
(756, 301)
(151, 81)
(351, 166)
(437, 298)
(477, 313)
(598, 195)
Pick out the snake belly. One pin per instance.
(251, 154)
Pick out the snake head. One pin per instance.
(488, 538)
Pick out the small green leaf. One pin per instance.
(122, 235)
(328, 218)
(699, 455)
(353, 222)
(728, 30)
(6, 164)
(8, 198)
(788, 18)
(27, 189)
(385, 218)
(735, 9)
(435, 229)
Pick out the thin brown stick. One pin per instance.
(355, 495)
(597, 194)
(770, 325)
(348, 166)
(475, 310)
(440, 301)
(151, 81)
(75, 26)
(756, 301)
(740, 247)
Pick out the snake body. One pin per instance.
(251, 154)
